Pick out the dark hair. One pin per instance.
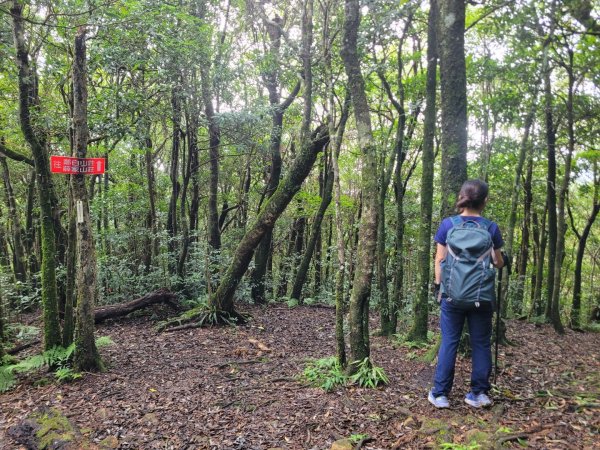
(472, 195)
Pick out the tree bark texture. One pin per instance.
(361, 289)
(223, 299)
(27, 103)
(453, 82)
(86, 356)
(419, 329)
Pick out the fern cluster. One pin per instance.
(327, 374)
(57, 359)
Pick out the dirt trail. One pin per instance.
(235, 388)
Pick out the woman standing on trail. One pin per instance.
(471, 202)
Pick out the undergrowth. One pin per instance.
(57, 359)
(328, 374)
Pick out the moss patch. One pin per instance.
(54, 429)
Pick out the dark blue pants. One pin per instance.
(480, 330)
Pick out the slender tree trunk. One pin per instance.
(512, 220)
(172, 222)
(419, 329)
(69, 314)
(271, 79)
(453, 81)
(561, 222)
(361, 288)
(581, 244)
(525, 238)
(312, 242)
(28, 102)
(214, 135)
(222, 299)
(537, 305)
(19, 261)
(86, 355)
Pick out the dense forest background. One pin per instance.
(293, 151)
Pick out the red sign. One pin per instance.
(69, 165)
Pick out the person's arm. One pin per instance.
(498, 259)
(440, 255)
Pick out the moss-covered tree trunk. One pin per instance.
(28, 102)
(86, 355)
(367, 243)
(453, 82)
(421, 309)
(222, 301)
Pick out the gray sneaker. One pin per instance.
(438, 402)
(477, 400)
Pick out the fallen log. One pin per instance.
(113, 311)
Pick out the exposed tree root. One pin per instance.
(202, 316)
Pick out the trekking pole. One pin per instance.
(498, 300)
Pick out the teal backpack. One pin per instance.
(468, 276)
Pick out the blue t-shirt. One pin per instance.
(446, 225)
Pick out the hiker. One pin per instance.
(464, 286)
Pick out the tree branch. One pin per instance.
(16, 156)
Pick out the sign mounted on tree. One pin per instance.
(70, 165)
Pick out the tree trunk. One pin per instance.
(69, 313)
(419, 329)
(451, 45)
(172, 225)
(271, 80)
(153, 298)
(312, 242)
(512, 220)
(86, 357)
(27, 103)
(361, 289)
(19, 261)
(561, 222)
(223, 299)
(525, 237)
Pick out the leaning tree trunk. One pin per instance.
(27, 104)
(222, 300)
(277, 112)
(581, 244)
(453, 81)
(86, 355)
(419, 329)
(361, 288)
(312, 242)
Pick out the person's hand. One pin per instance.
(436, 291)
(506, 261)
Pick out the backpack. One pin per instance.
(468, 276)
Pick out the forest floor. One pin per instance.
(237, 388)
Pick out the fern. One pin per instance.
(368, 375)
(104, 341)
(57, 358)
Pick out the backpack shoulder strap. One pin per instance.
(456, 221)
(486, 223)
